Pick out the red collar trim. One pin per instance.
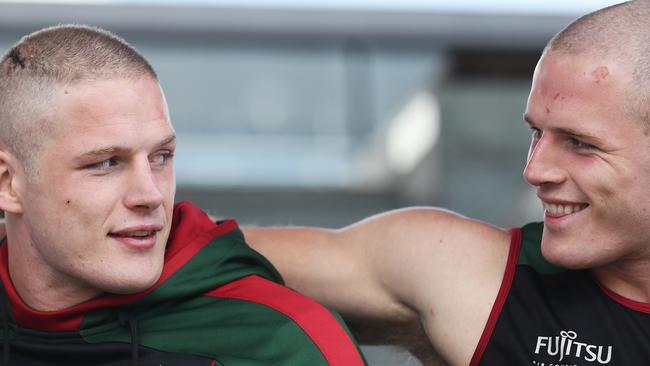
(642, 307)
(192, 230)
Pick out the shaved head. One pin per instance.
(46, 61)
(620, 34)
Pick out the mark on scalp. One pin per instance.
(557, 95)
(16, 58)
(600, 73)
(548, 110)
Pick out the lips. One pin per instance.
(557, 209)
(137, 237)
(133, 234)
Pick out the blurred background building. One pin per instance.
(324, 112)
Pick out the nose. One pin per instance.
(142, 190)
(543, 166)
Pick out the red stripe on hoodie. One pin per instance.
(316, 321)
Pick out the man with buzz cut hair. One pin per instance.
(573, 290)
(99, 267)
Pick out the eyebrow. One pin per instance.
(567, 131)
(112, 150)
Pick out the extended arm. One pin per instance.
(414, 263)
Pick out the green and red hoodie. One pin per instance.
(217, 302)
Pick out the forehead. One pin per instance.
(578, 90)
(127, 111)
(96, 102)
(579, 77)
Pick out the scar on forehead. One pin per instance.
(600, 73)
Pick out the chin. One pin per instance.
(137, 283)
(564, 255)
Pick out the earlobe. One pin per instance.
(10, 201)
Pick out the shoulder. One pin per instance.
(449, 250)
(302, 327)
(419, 250)
(449, 269)
(244, 320)
(435, 237)
(430, 222)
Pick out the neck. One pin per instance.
(33, 280)
(629, 279)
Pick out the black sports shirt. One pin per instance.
(548, 316)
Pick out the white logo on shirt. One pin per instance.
(566, 344)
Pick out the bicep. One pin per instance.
(336, 267)
(394, 266)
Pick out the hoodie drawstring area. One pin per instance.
(127, 318)
(6, 344)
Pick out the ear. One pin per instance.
(10, 178)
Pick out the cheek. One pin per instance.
(84, 207)
(605, 196)
(166, 183)
(617, 192)
(594, 176)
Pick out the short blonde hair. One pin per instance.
(38, 64)
(620, 32)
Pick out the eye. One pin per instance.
(102, 165)
(162, 158)
(578, 144)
